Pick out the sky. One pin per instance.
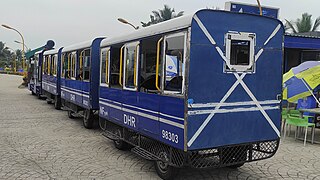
(72, 21)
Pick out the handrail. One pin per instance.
(48, 64)
(62, 65)
(157, 65)
(107, 63)
(120, 70)
(69, 64)
(80, 60)
(135, 66)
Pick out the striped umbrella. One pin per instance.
(300, 81)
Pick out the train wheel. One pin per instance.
(120, 144)
(88, 119)
(57, 103)
(48, 101)
(164, 170)
(70, 114)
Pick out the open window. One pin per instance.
(130, 64)
(174, 63)
(84, 66)
(115, 66)
(240, 52)
(73, 65)
(148, 64)
(104, 66)
(54, 64)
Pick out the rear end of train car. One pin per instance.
(221, 105)
(80, 80)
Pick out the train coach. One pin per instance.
(80, 79)
(201, 90)
(51, 77)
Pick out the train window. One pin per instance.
(130, 64)
(85, 65)
(54, 65)
(147, 65)
(64, 65)
(48, 65)
(239, 52)
(73, 65)
(104, 66)
(173, 64)
(115, 66)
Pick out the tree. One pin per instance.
(162, 15)
(304, 24)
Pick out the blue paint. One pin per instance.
(208, 83)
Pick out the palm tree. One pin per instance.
(304, 24)
(162, 15)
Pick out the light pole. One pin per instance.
(11, 28)
(22, 44)
(126, 22)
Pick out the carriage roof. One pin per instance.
(167, 26)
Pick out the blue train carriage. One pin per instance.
(51, 77)
(80, 79)
(200, 91)
(35, 84)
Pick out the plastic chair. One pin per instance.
(300, 122)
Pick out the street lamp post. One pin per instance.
(11, 28)
(126, 22)
(26, 47)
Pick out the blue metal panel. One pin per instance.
(95, 73)
(301, 42)
(141, 112)
(59, 72)
(236, 124)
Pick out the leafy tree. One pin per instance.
(304, 24)
(162, 15)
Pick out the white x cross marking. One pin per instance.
(233, 87)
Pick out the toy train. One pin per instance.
(202, 90)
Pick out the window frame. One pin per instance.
(163, 76)
(73, 61)
(240, 36)
(107, 50)
(82, 63)
(136, 44)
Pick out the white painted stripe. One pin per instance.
(273, 34)
(77, 90)
(172, 123)
(257, 56)
(52, 85)
(147, 110)
(204, 29)
(258, 105)
(251, 109)
(173, 117)
(244, 103)
(166, 121)
(73, 92)
(110, 105)
(208, 119)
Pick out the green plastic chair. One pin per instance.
(299, 122)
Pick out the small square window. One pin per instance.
(239, 52)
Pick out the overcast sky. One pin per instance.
(72, 21)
